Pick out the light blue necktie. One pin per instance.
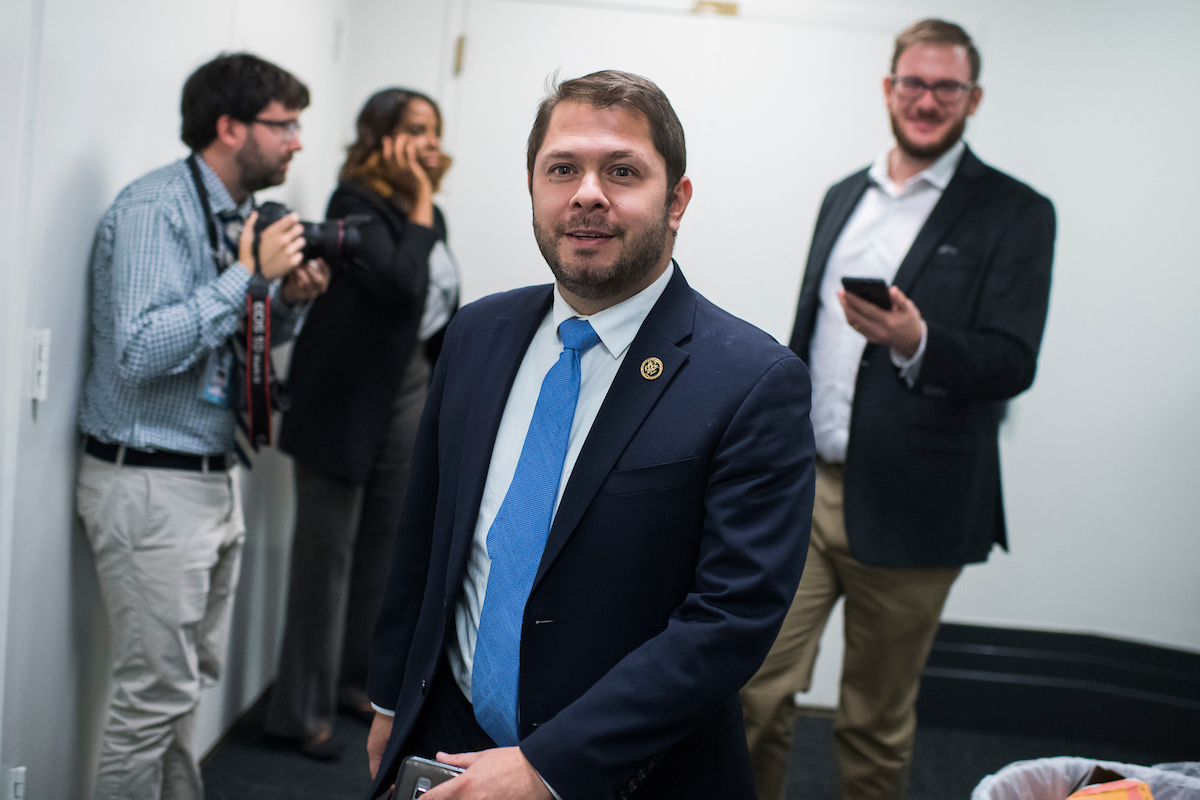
(518, 536)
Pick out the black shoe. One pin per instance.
(325, 750)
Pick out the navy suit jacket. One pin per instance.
(673, 557)
(922, 485)
(358, 338)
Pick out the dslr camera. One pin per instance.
(334, 240)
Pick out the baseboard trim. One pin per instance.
(1092, 688)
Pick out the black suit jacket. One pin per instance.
(359, 336)
(922, 477)
(672, 559)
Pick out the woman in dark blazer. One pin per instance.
(359, 373)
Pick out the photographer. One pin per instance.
(170, 268)
(358, 380)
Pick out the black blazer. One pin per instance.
(671, 562)
(923, 464)
(352, 352)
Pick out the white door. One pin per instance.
(774, 110)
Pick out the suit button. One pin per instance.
(424, 687)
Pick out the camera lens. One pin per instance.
(332, 240)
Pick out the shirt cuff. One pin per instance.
(557, 796)
(383, 711)
(910, 367)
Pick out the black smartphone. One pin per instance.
(873, 290)
(419, 775)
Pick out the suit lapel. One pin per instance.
(842, 205)
(507, 343)
(629, 400)
(953, 202)
(839, 214)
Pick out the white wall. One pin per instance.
(99, 83)
(1090, 102)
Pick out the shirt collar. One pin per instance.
(937, 174)
(218, 196)
(617, 325)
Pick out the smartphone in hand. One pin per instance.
(873, 290)
(419, 775)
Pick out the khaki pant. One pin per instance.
(891, 617)
(168, 546)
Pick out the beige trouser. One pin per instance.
(891, 617)
(168, 545)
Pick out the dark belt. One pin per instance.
(153, 458)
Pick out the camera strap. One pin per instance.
(258, 354)
(254, 331)
(209, 223)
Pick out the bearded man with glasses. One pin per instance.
(169, 271)
(908, 395)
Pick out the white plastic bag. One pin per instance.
(1054, 779)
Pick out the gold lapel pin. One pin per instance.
(651, 368)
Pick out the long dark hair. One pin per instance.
(381, 117)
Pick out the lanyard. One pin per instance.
(198, 179)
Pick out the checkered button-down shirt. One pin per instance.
(159, 309)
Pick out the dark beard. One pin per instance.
(931, 152)
(638, 257)
(257, 172)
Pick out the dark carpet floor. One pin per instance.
(947, 763)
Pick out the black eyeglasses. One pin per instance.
(948, 93)
(289, 128)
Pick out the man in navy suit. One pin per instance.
(907, 401)
(676, 517)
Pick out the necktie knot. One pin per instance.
(578, 335)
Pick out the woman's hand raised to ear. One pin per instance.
(401, 151)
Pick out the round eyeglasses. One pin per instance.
(947, 92)
(289, 129)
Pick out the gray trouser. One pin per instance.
(340, 556)
(168, 545)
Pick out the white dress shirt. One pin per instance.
(873, 243)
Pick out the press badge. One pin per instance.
(215, 386)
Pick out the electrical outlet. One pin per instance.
(16, 783)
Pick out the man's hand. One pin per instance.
(899, 327)
(305, 283)
(279, 249)
(501, 773)
(377, 741)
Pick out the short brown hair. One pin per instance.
(238, 84)
(380, 117)
(936, 31)
(623, 89)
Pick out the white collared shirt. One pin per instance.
(616, 326)
(873, 243)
